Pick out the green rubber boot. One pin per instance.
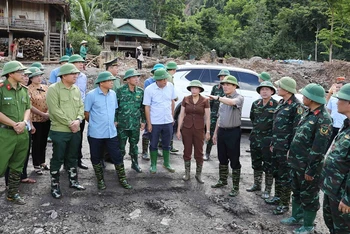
(297, 215)
(268, 186)
(99, 176)
(166, 164)
(121, 175)
(154, 156)
(198, 175)
(55, 184)
(223, 173)
(73, 179)
(308, 226)
(187, 177)
(236, 175)
(276, 199)
(135, 164)
(257, 182)
(145, 145)
(13, 187)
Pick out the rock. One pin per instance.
(135, 214)
(53, 215)
(46, 204)
(165, 221)
(20, 230)
(39, 230)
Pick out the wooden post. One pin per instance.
(61, 36)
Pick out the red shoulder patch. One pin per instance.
(289, 101)
(8, 86)
(316, 112)
(271, 103)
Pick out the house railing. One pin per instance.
(30, 24)
(129, 44)
(3, 21)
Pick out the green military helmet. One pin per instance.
(75, 58)
(171, 65)
(224, 72)
(230, 80)
(104, 76)
(64, 58)
(12, 66)
(27, 72)
(344, 93)
(288, 84)
(130, 73)
(265, 76)
(35, 72)
(68, 68)
(38, 65)
(314, 92)
(161, 74)
(195, 83)
(157, 66)
(266, 84)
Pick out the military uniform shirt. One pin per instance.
(131, 111)
(13, 102)
(217, 90)
(81, 83)
(262, 120)
(230, 116)
(65, 105)
(101, 108)
(335, 174)
(310, 141)
(159, 100)
(286, 118)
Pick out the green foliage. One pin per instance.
(76, 37)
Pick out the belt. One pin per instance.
(6, 127)
(228, 129)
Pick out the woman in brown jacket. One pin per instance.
(193, 120)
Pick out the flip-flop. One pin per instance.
(28, 181)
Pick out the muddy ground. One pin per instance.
(160, 203)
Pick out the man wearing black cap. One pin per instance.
(112, 67)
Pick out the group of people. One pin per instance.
(288, 142)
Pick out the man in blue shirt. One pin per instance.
(100, 107)
(78, 62)
(159, 109)
(54, 73)
(145, 135)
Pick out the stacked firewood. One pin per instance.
(32, 49)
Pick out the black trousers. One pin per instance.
(334, 134)
(40, 142)
(229, 146)
(139, 64)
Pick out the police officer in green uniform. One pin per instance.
(214, 107)
(66, 110)
(306, 156)
(335, 175)
(14, 117)
(261, 115)
(130, 115)
(286, 118)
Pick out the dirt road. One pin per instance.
(160, 203)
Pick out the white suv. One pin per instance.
(248, 82)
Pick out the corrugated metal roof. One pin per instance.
(137, 24)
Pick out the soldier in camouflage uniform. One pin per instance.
(286, 118)
(306, 156)
(214, 107)
(130, 115)
(261, 115)
(335, 175)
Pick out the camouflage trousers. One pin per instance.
(336, 221)
(281, 171)
(133, 136)
(212, 130)
(261, 158)
(305, 193)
